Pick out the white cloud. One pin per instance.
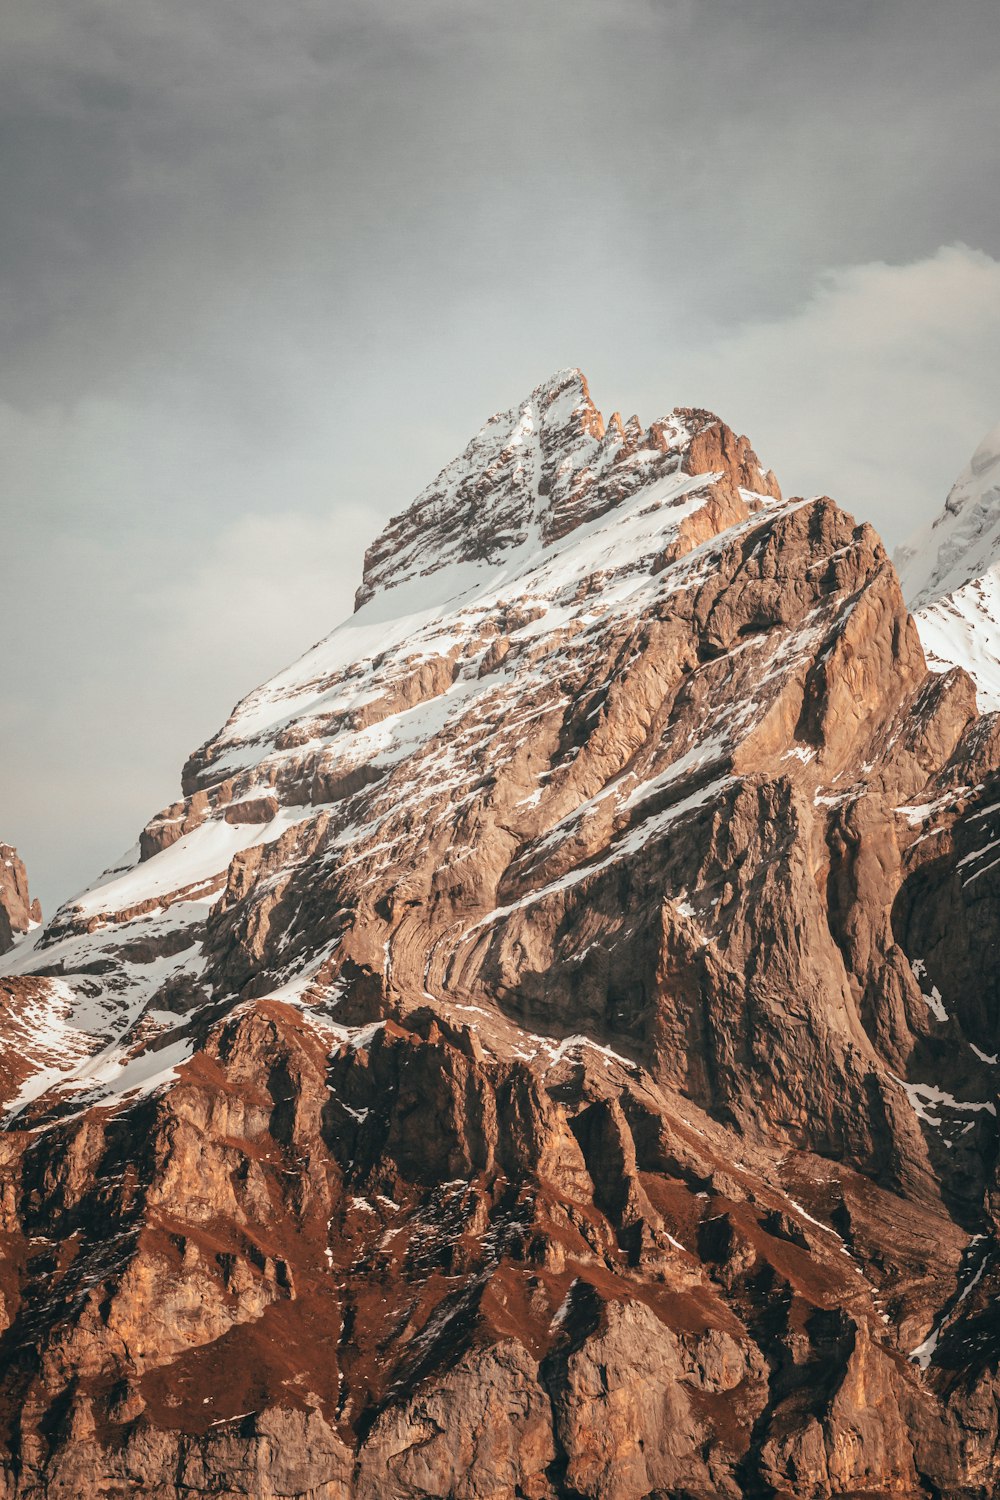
(876, 391)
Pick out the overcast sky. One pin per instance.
(265, 268)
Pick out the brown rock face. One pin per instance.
(17, 910)
(549, 1051)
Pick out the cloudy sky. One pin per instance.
(266, 267)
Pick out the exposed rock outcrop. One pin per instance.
(18, 912)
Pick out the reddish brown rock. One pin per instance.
(18, 911)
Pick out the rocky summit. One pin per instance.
(549, 1049)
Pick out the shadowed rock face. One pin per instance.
(549, 1050)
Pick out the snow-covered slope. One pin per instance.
(950, 571)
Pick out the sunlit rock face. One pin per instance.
(549, 1048)
(19, 914)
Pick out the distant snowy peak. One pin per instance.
(963, 542)
(950, 572)
(536, 472)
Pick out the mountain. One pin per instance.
(549, 1048)
(18, 913)
(951, 575)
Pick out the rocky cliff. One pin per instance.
(18, 912)
(549, 1049)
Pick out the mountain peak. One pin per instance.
(538, 470)
(963, 542)
(950, 572)
(487, 500)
